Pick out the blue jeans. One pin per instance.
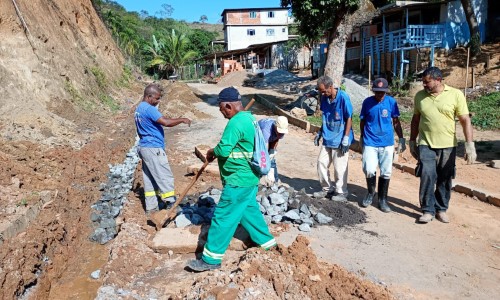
(275, 167)
(381, 157)
(438, 170)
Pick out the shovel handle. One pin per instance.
(171, 212)
(247, 107)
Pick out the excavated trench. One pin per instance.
(51, 258)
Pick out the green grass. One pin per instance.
(486, 111)
(109, 102)
(126, 77)
(100, 77)
(76, 97)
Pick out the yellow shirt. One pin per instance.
(437, 117)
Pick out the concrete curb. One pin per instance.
(308, 127)
(459, 187)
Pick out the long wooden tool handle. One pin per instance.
(170, 213)
(247, 107)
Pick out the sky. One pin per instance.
(192, 10)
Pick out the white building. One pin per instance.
(250, 26)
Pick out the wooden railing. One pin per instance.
(411, 36)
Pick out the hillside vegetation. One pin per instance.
(158, 45)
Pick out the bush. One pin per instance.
(486, 111)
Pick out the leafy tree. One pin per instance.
(169, 53)
(475, 36)
(166, 11)
(336, 18)
(203, 19)
(201, 41)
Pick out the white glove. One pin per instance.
(270, 177)
(470, 153)
(401, 145)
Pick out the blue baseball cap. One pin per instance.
(229, 94)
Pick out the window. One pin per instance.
(270, 32)
(270, 14)
(253, 15)
(250, 31)
(283, 29)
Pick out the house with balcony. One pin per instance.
(249, 26)
(406, 31)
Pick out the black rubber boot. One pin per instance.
(370, 183)
(383, 187)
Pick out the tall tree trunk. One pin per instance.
(475, 36)
(335, 59)
(340, 33)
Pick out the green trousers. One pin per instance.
(237, 205)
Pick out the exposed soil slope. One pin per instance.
(47, 69)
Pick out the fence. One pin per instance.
(194, 71)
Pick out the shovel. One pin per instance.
(165, 216)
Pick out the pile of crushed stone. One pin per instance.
(283, 273)
(278, 204)
(276, 77)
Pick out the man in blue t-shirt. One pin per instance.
(273, 131)
(158, 178)
(379, 114)
(337, 135)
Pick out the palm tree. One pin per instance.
(170, 52)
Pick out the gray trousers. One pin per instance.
(157, 176)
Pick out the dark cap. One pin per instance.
(229, 94)
(380, 85)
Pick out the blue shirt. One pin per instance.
(268, 128)
(379, 131)
(335, 115)
(150, 132)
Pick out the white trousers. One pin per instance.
(381, 157)
(326, 157)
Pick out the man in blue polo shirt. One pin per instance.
(379, 114)
(337, 135)
(158, 178)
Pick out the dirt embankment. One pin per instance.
(54, 66)
(57, 64)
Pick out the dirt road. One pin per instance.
(445, 261)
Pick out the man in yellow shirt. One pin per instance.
(433, 122)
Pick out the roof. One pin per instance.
(398, 5)
(253, 9)
(240, 51)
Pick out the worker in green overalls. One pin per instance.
(238, 204)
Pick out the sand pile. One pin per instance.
(179, 102)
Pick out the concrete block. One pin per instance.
(495, 164)
(191, 239)
(409, 169)
(314, 128)
(462, 189)
(495, 200)
(480, 195)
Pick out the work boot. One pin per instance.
(198, 265)
(383, 187)
(370, 183)
(442, 216)
(340, 197)
(426, 218)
